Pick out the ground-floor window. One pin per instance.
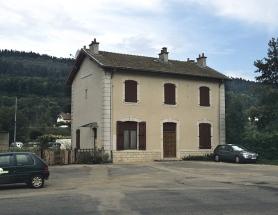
(130, 135)
(127, 135)
(78, 138)
(204, 136)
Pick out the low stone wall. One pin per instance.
(194, 153)
(135, 156)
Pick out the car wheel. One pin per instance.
(216, 158)
(36, 181)
(238, 159)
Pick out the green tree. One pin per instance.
(236, 118)
(268, 66)
(266, 110)
(7, 120)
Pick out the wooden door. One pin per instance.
(169, 144)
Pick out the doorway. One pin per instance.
(169, 140)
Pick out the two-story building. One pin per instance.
(145, 108)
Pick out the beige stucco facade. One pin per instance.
(86, 104)
(187, 114)
(4, 140)
(91, 102)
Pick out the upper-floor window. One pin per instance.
(131, 91)
(169, 94)
(204, 97)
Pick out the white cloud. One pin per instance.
(251, 12)
(224, 52)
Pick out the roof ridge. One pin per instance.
(184, 61)
(127, 54)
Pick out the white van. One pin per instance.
(17, 144)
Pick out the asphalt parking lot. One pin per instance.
(180, 187)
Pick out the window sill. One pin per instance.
(131, 103)
(129, 150)
(171, 106)
(205, 107)
(211, 149)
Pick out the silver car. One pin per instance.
(233, 152)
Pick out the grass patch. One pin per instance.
(206, 157)
(267, 162)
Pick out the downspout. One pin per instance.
(111, 108)
(220, 140)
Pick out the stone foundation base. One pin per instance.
(135, 156)
(194, 153)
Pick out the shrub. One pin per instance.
(45, 139)
(206, 157)
(88, 158)
(265, 144)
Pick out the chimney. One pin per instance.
(163, 56)
(94, 46)
(202, 60)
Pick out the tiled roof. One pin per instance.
(66, 116)
(149, 64)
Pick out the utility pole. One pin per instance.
(15, 122)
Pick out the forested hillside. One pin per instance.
(38, 82)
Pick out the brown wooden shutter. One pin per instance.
(78, 138)
(142, 135)
(204, 96)
(169, 94)
(120, 135)
(130, 91)
(204, 136)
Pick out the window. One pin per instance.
(127, 135)
(204, 97)
(169, 94)
(24, 160)
(130, 135)
(6, 160)
(204, 136)
(78, 138)
(130, 91)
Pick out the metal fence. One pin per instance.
(88, 155)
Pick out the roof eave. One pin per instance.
(168, 73)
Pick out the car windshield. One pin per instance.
(239, 148)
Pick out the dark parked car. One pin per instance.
(23, 167)
(235, 153)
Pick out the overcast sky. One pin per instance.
(231, 33)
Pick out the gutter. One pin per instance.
(111, 115)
